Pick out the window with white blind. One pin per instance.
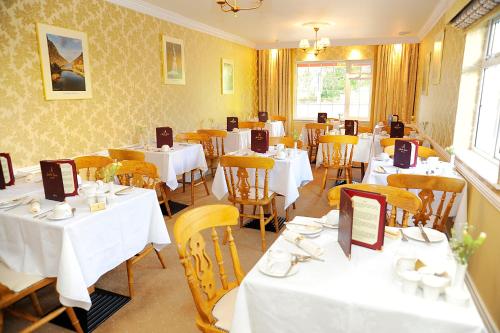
(486, 139)
(335, 87)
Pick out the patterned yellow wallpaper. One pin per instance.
(124, 52)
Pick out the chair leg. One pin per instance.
(323, 183)
(242, 209)
(160, 258)
(1, 321)
(36, 304)
(362, 171)
(74, 320)
(164, 193)
(275, 213)
(204, 182)
(348, 173)
(192, 187)
(130, 274)
(184, 182)
(262, 228)
(287, 217)
(293, 205)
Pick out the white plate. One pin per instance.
(309, 228)
(124, 191)
(263, 269)
(54, 218)
(414, 233)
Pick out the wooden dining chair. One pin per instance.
(205, 141)
(286, 140)
(337, 153)
(365, 129)
(423, 152)
(449, 188)
(247, 192)
(278, 118)
(27, 286)
(89, 167)
(214, 305)
(252, 124)
(314, 131)
(392, 141)
(397, 198)
(126, 154)
(212, 153)
(144, 175)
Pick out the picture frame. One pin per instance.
(64, 62)
(173, 60)
(227, 74)
(437, 55)
(426, 73)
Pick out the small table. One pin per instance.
(238, 140)
(285, 178)
(184, 157)
(275, 128)
(79, 250)
(362, 151)
(353, 296)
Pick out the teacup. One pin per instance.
(278, 261)
(410, 281)
(62, 210)
(280, 147)
(405, 264)
(165, 148)
(433, 286)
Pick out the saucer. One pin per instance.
(264, 270)
(52, 217)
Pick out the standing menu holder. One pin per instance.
(164, 136)
(260, 141)
(6, 171)
(263, 116)
(232, 123)
(351, 127)
(405, 153)
(397, 129)
(361, 220)
(68, 177)
(322, 117)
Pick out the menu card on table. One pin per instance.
(361, 220)
(263, 116)
(397, 129)
(232, 123)
(322, 117)
(351, 127)
(6, 171)
(59, 174)
(259, 141)
(164, 136)
(405, 153)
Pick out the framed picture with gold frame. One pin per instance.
(426, 73)
(64, 60)
(174, 71)
(437, 55)
(227, 68)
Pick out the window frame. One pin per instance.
(489, 60)
(347, 87)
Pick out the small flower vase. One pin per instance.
(459, 278)
(452, 159)
(457, 294)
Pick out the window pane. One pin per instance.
(489, 110)
(495, 38)
(359, 106)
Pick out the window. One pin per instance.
(335, 87)
(487, 130)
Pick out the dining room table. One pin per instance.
(236, 140)
(77, 250)
(356, 295)
(285, 178)
(275, 128)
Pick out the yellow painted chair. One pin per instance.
(423, 152)
(252, 124)
(314, 131)
(212, 153)
(126, 154)
(89, 167)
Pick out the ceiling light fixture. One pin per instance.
(318, 45)
(232, 6)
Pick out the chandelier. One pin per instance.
(232, 6)
(318, 45)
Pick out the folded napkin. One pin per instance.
(35, 205)
(305, 244)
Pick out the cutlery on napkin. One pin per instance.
(6, 202)
(424, 235)
(129, 188)
(306, 245)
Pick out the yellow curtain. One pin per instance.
(395, 81)
(275, 82)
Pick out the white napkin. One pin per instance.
(35, 206)
(306, 244)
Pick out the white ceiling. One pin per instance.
(278, 23)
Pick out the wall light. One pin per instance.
(354, 55)
(398, 48)
(274, 53)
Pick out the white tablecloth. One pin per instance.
(362, 151)
(357, 296)
(275, 128)
(237, 140)
(183, 158)
(444, 169)
(285, 178)
(79, 250)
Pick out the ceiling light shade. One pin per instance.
(232, 5)
(304, 44)
(324, 42)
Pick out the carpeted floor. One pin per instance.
(163, 302)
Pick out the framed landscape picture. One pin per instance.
(65, 63)
(227, 77)
(173, 60)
